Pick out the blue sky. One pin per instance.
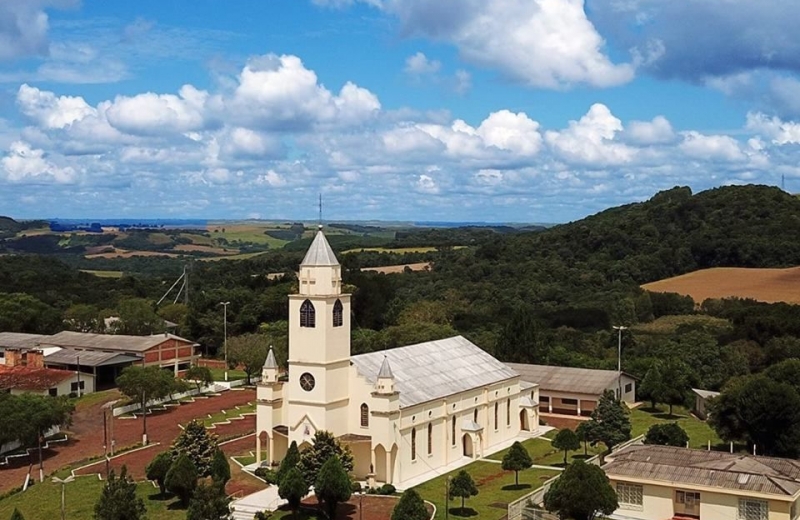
(454, 110)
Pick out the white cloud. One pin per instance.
(657, 131)
(711, 147)
(271, 178)
(23, 163)
(426, 184)
(541, 43)
(50, 111)
(23, 29)
(154, 114)
(243, 142)
(590, 140)
(419, 64)
(780, 132)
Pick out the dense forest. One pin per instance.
(539, 295)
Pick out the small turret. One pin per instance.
(385, 383)
(269, 374)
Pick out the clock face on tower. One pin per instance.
(307, 382)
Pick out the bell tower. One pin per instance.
(319, 346)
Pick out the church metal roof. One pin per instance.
(271, 362)
(435, 369)
(320, 253)
(386, 370)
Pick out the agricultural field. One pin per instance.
(666, 325)
(390, 269)
(766, 285)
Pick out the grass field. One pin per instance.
(233, 375)
(253, 233)
(389, 269)
(229, 414)
(699, 432)
(103, 274)
(670, 324)
(543, 453)
(242, 256)
(767, 285)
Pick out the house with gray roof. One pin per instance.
(575, 391)
(659, 482)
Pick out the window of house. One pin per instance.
(337, 314)
(413, 444)
(752, 509)
(453, 427)
(628, 387)
(687, 497)
(364, 415)
(508, 412)
(630, 496)
(544, 398)
(430, 438)
(569, 401)
(73, 387)
(53, 392)
(308, 316)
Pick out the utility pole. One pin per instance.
(619, 328)
(41, 464)
(105, 439)
(144, 417)
(63, 483)
(225, 334)
(78, 373)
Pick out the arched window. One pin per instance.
(430, 438)
(508, 412)
(496, 413)
(453, 428)
(475, 416)
(413, 444)
(364, 415)
(337, 314)
(307, 315)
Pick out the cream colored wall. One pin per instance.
(656, 503)
(65, 387)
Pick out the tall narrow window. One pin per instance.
(338, 309)
(475, 416)
(430, 438)
(453, 433)
(413, 444)
(496, 413)
(364, 415)
(308, 316)
(508, 412)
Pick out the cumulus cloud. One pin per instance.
(780, 132)
(23, 28)
(418, 64)
(49, 110)
(540, 43)
(657, 131)
(23, 163)
(426, 184)
(711, 147)
(591, 140)
(152, 114)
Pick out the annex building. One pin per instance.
(404, 412)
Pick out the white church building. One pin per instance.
(404, 412)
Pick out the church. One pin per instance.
(405, 413)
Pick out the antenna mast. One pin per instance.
(320, 210)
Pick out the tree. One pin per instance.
(118, 500)
(650, 389)
(516, 459)
(293, 488)
(333, 485)
(523, 339)
(209, 502)
(16, 515)
(137, 318)
(158, 468)
(675, 384)
(142, 384)
(182, 478)
(82, 318)
(198, 444)
(220, 468)
(462, 486)
(609, 422)
(290, 460)
(324, 447)
(27, 417)
(581, 492)
(24, 313)
(566, 440)
(250, 351)
(581, 432)
(200, 375)
(410, 507)
(669, 434)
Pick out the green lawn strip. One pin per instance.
(699, 432)
(543, 453)
(224, 415)
(491, 479)
(233, 375)
(44, 501)
(245, 460)
(91, 399)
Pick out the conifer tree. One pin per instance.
(410, 507)
(324, 447)
(198, 444)
(566, 440)
(291, 460)
(516, 459)
(118, 500)
(209, 502)
(609, 423)
(182, 478)
(333, 485)
(462, 486)
(158, 468)
(581, 492)
(293, 488)
(220, 467)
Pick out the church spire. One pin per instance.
(269, 374)
(385, 383)
(320, 253)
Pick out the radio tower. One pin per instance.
(320, 211)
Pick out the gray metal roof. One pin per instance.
(434, 370)
(271, 362)
(705, 394)
(567, 379)
(89, 358)
(19, 340)
(706, 468)
(83, 340)
(320, 253)
(386, 370)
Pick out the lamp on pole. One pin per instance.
(225, 334)
(63, 483)
(619, 328)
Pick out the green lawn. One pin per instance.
(495, 486)
(233, 375)
(245, 460)
(228, 414)
(543, 453)
(699, 432)
(43, 501)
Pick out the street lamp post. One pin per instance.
(63, 483)
(619, 328)
(225, 334)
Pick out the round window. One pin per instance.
(307, 382)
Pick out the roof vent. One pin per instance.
(743, 478)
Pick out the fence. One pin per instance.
(526, 505)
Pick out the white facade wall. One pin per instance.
(64, 387)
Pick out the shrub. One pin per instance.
(387, 489)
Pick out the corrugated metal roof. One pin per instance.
(320, 253)
(705, 394)
(19, 340)
(108, 341)
(89, 358)
(567, 379)
(433, 370)
(707, 468)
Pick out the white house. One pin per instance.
(404, 412)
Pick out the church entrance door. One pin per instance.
(466, 440)
(523, 421)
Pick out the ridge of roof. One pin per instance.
(319, 254)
